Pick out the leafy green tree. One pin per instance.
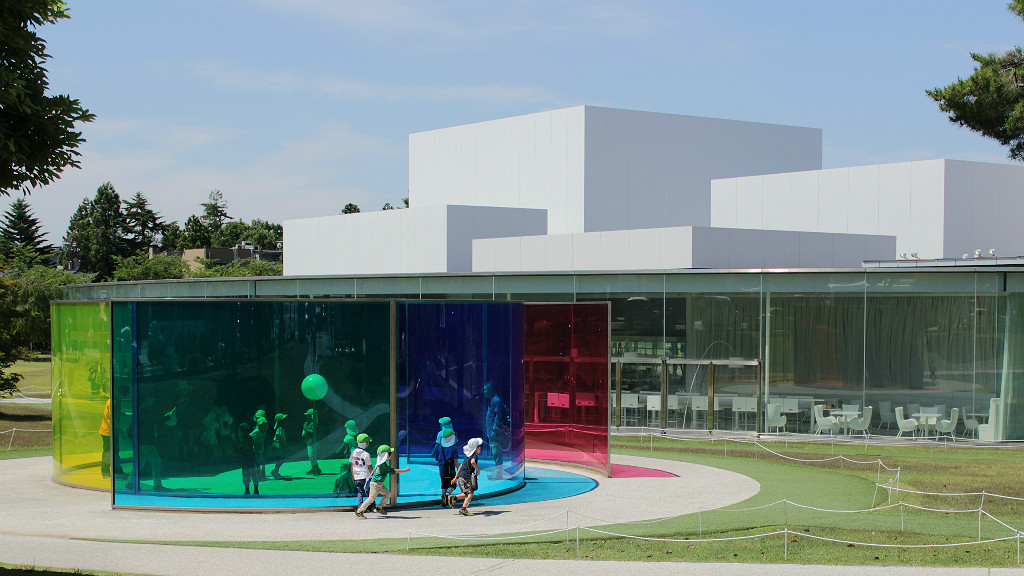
(230, 234)
(243, 267)
(405, 201)
(95, 236)
(37, 130)
(991, 100)
(215, 211)
(171, 237)
(36, 287)
(20, 228)
(350, 208)
(264, 235)
(142, 223)
(12, 340)
(159, 267)
(387, 206)
(195, 234)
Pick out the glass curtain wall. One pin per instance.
(567, 387)
(80, 382)
(239, 398)
(462, 361)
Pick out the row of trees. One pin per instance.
(28, 282)
(111, 238)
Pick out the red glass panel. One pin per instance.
(566, 358)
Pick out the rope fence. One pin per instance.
(890, 485)
(10, 443)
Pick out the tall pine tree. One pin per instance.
(95, 237)
(142, 223)
(22, 234)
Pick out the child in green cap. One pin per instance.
(382, 471)
(360, 461)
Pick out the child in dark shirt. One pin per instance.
(466, 475)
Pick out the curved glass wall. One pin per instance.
(80, 382)
(255, 403)
(463, 361)
(926, 340)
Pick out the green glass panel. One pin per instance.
(209, 378)
(80, 378)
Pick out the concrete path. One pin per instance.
(43, 524)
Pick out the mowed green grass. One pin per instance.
(24, 427)
(833, 486)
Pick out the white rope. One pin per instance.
(1001, 522)
(855, 543)
(986, 494)
(514, 537)
(651, 539)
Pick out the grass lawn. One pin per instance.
(20, 416)
(831, 485)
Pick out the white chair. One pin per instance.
(824, 422)
(654, 405)
(791, 409)
(630, 407)
(905, 424)
(851, 407)
(773, 417)
(861, 424)
(970, 425)
(885, 415)
(699, 405)
(948, 426)
(993, 430)
(673, 409)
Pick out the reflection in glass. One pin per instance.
(461, 362)
(567, 383)
(80, 380)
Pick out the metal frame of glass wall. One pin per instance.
(926, 339)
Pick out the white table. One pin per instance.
(926, 419)
(844, 417)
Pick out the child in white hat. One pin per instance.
(466, 475)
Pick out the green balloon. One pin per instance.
(314, 387)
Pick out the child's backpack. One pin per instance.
(448, 469)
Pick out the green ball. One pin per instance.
(314, 387)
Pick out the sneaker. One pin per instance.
(382, 511)
(446, 501)
(360, 514)
(465, 512)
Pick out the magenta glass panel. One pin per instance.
(566, 357)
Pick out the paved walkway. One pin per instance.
(43, 524)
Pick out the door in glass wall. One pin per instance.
(687, 402)
(640, 384)
(734, 397)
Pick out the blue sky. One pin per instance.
(292, 108)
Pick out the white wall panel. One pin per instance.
(644, 248)
(894, 203)
(926, 209)
(723, 202)
(534, 253)
(833, 200)
(558, 251)
(676, 248)
(777, 205)
(804, 201)
(862, 208)
(750, 203)
(958, 220)
(586, 251)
